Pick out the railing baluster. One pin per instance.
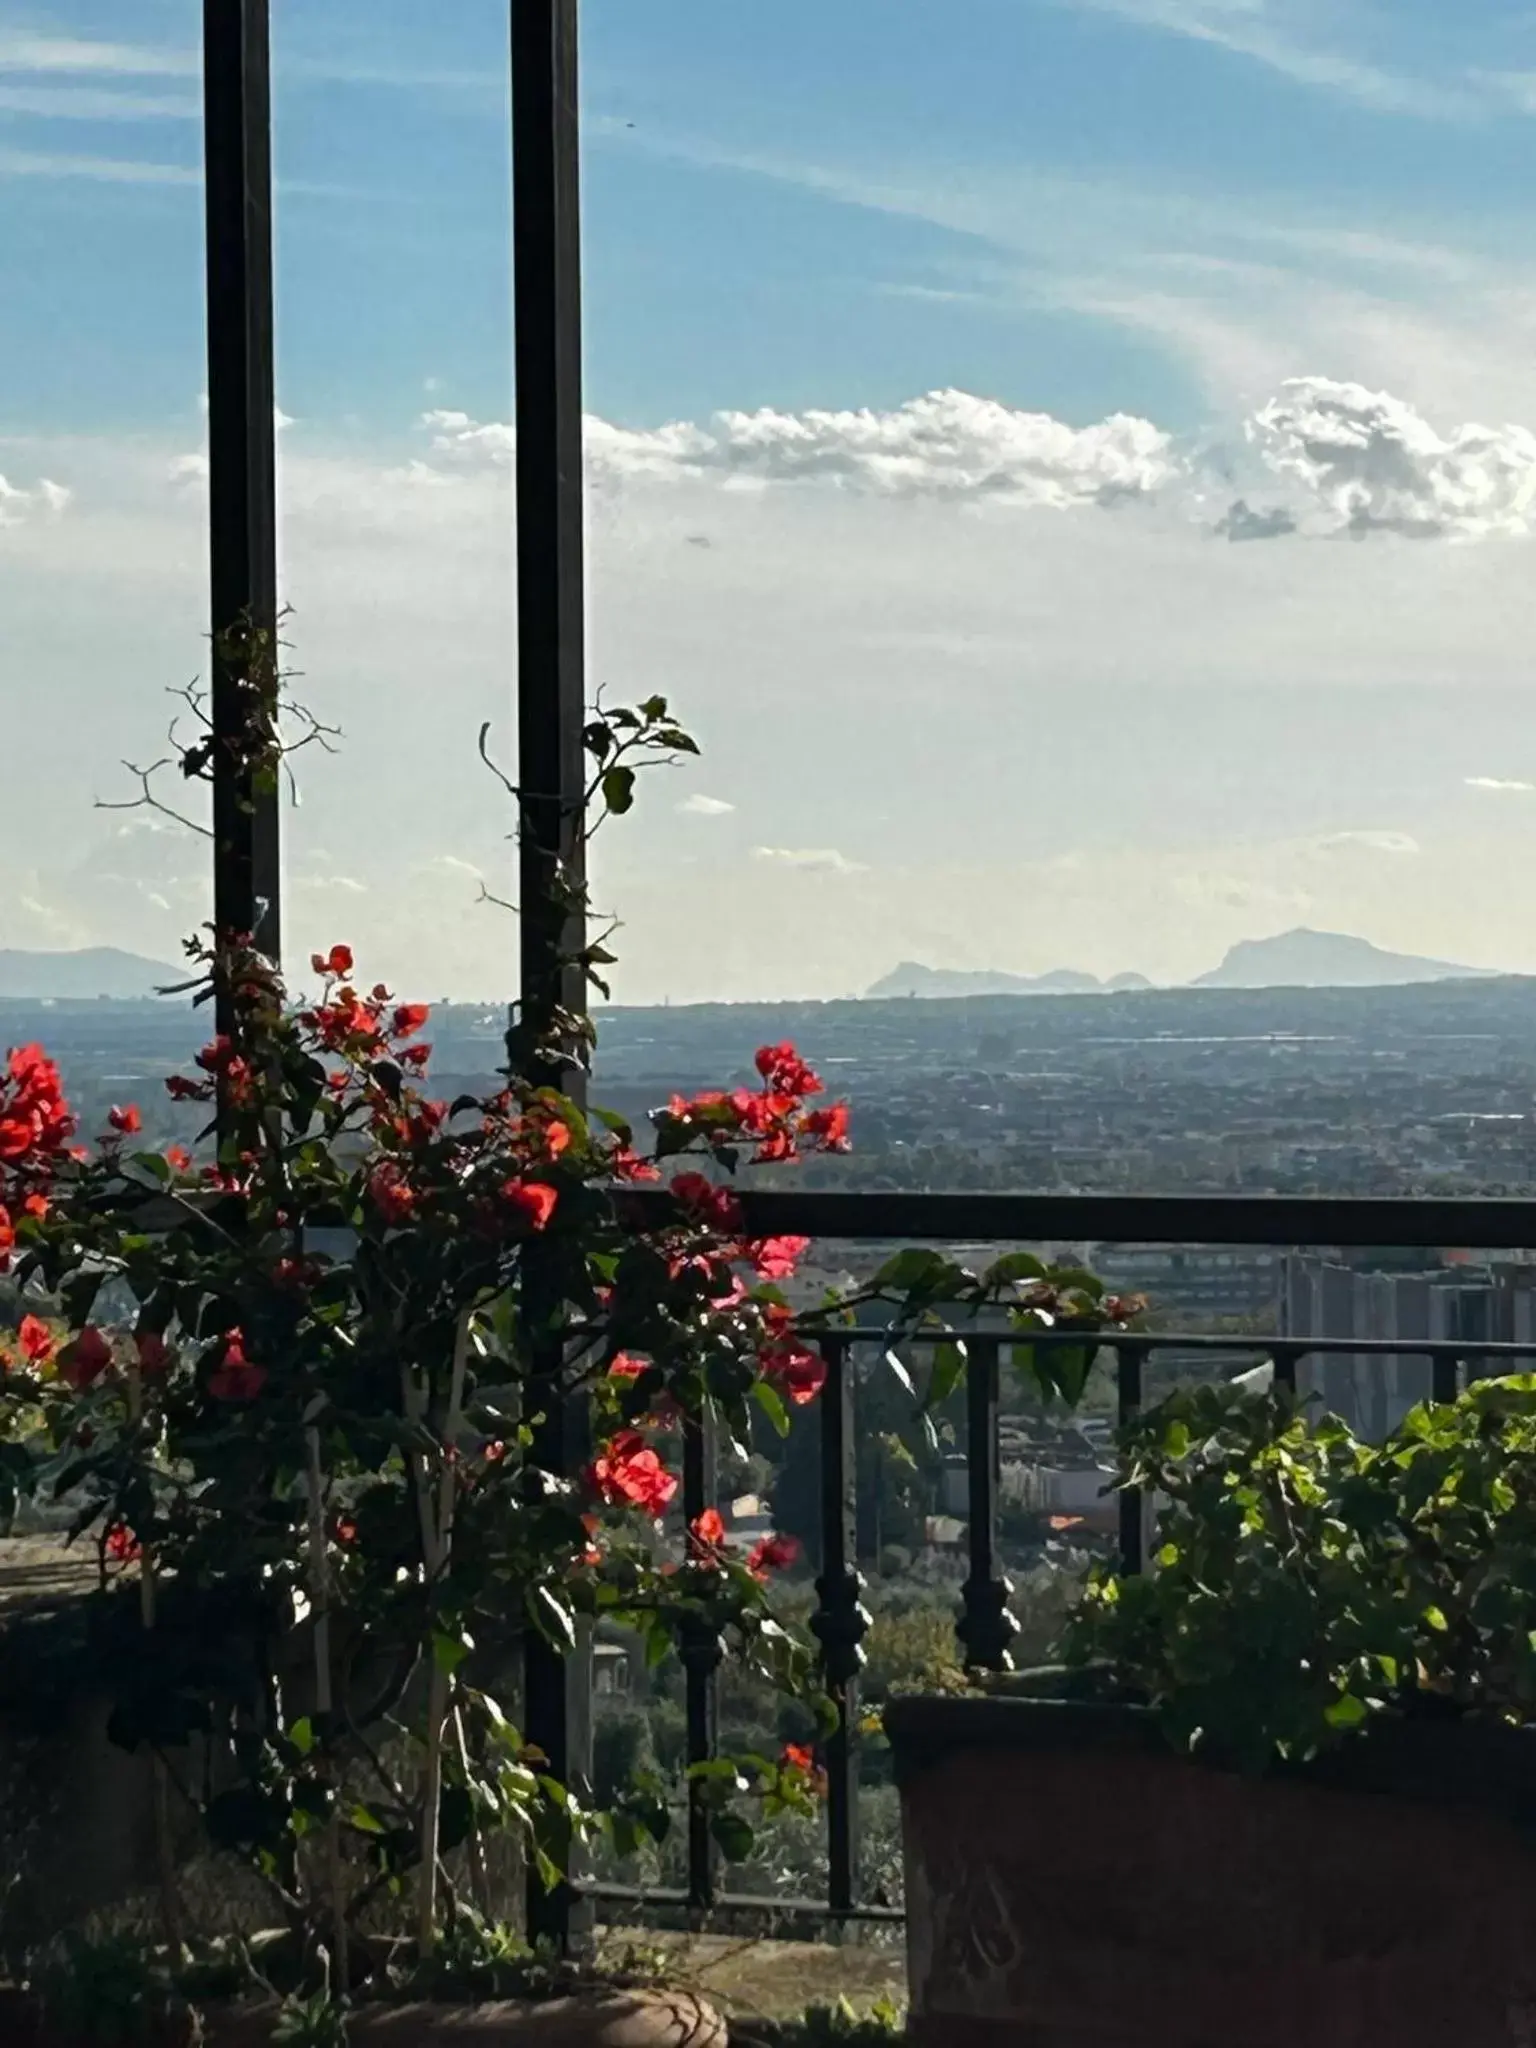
(840, 1621)
(987, 1625)
(1129, 1362)
(701, 1650)
(242, 478)
(1444, 1376)
(1287, 1357)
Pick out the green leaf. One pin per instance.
(449, 1652)
(769, 1399)
(1347, 1712)
(916, 1267)
(365, 1821)
(1434, 1617)
(901, 1375)
(554, 1619)
(1011, 1267)
(733, 1835)
(153, 1164)
(619, 790)
(949, 1361)
(1069, 1366)
(1078, 1278)
(302, 1735)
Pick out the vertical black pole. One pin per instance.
(987, 1624)
(551, 685)
(840, 1621)
(551, 705)
(701, 1650)
(242, 489)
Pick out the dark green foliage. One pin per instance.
(1305, 1583)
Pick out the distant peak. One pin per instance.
(83, 975)
(1304, 958)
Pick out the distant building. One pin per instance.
(1373, 1392)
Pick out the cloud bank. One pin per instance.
(45, 500)
(1321, 459)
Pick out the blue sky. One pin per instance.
(738, 252)
(1197, 271)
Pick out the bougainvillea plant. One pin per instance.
(297, 1386)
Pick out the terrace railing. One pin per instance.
(984, 1624)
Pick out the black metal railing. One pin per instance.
(985, 1625)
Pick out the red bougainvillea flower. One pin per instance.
(35, 1120)
(345, 1531)
(627, 1367)
(408, 1019)
(83, 1361)
(533, 1200)
(181, 1088)
(121, 1545)
(797, 1757)
(801, 1371)
(706, 1533)
(625, 1163)
(178, 1158)
(153, 1353)
(828, 1128)
(785, 1072)
(706, 1203)
(236, 1377)
(627, 1472)
(125, 1120)
(337, 963)
(772, 1554)
(776, 1257)
(36, 1340)
(391, 1194)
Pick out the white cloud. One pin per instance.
(1277, 33)
(1322, 458)
(822, 860)
(75, 55)
(700, 806)
(22, 163)
(1393, 843)
(92, 103)
(1367, 461)
(946, 444)
(46, 500)
(1496, 785)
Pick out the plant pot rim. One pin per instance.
(1444, 1762)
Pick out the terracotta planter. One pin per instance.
(1072, 1883)
(620, 2019)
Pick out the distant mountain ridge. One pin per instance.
(1308, 959)
(1294, 959)
(912, 979)
(82, 976)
